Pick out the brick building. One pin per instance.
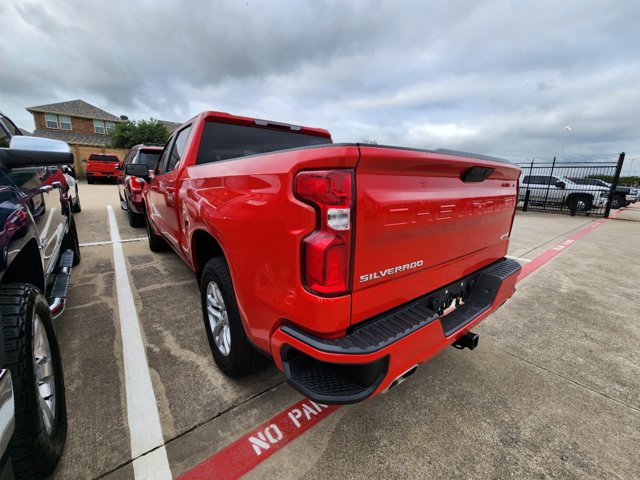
(87, 129)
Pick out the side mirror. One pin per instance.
(37, 144)
(26, 151)
(561, 185)
(139, 170)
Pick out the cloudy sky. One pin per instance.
(497, 77)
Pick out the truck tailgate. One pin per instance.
(420, 226)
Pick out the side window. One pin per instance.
(5, 139)
(162, 162)
(178, 148)
(10, 126)
(540, 180)
(128, 157)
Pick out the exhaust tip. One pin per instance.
(403, 377)
(468, 340)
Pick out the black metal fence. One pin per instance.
(578, 185)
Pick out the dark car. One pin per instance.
(103, 166)
(39, 245)
(130, 188)
(622, 195)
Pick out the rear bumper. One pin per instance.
(374, 353)
(104, 174)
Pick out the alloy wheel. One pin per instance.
(218, 319)
(44, 374)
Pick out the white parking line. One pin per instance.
(145, 430)
(110, 242)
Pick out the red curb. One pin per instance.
(248, 451)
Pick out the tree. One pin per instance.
(130, 133)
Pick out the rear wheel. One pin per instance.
(230, 348)
(90, 180)
(70, 241)
(75, 204)
(156, 242)
(33, 357)
(135, 219)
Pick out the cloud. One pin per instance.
(501, 77)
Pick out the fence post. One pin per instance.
(546, 193)
(614, 184)
(528, 192)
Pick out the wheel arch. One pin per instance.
(204, 247)
(22, 268)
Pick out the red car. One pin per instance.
(130, 188)
(103, 166)
(347, 264)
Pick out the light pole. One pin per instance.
(567, 129)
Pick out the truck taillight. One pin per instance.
(326, 252)
(136, 184)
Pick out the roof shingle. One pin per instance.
(75, 138)
(76, 108)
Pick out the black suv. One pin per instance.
(38, 247)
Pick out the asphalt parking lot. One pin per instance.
(553, 390)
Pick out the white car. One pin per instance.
(74, 198)
(560, 190)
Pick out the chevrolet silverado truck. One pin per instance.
(39, 246)
(347, 264)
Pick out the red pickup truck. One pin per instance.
(102, 166)
(347, 264)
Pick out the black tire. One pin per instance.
(34, 450)
(90, 180)
(156, 242)
(75, 205)
(618, 201)
(135, 219)
(70, 241)
(242, 358)
(580, 203)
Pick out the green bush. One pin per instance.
(130, 133)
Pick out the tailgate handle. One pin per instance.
(476, 174)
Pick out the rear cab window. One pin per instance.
(148, 158)
(96, 157)
(222, 141)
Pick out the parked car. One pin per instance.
(64, 173)
(40, 244)
(102, 166)
(130, 188)
(563, 192)
(622, 196)
(347, 264)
